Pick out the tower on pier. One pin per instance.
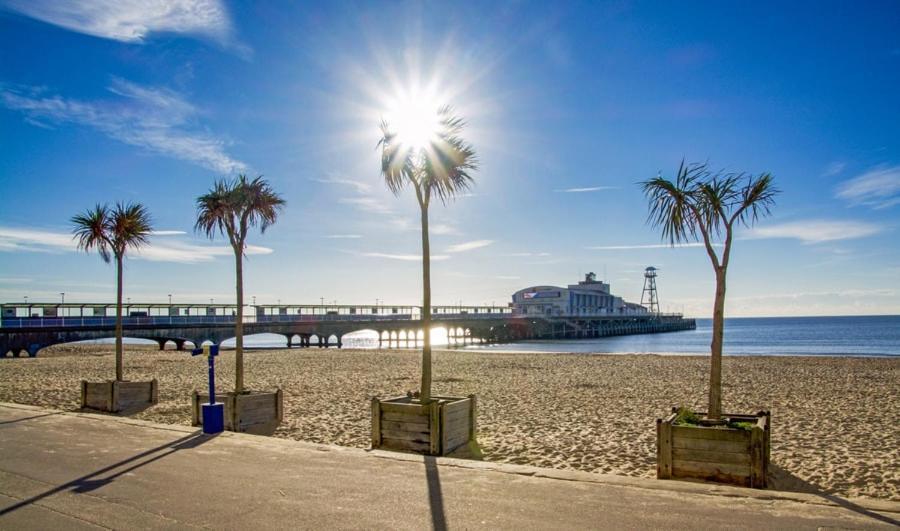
(649, 297)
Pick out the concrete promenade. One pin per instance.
(83, 471)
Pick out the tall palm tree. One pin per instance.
(231, 208)
(440, 168)
(112, 231)
(709, 203)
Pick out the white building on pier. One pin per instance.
(589, 297)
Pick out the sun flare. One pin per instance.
(414, 118)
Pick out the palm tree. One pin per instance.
(709, 203)
(441, 168)
(231, 208)
(112, 232)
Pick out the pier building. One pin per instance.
(588, 297)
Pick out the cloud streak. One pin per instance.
(368, 204)
(131, 20)
(403, 257)
(584, 190)
(816, 231)
(359, 186)
(156, 119)
(178, 251)
(878, 188)
(468, 246)
(647, 246)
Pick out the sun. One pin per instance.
(413, 116)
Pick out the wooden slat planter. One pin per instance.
(437, 428)
(251, 412)
(721, 454)
(116, 396)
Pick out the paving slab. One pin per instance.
(67, 470)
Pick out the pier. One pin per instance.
(26, 328)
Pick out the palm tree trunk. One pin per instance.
(239, 324)
(119, 361)
(425, 393)
(718, 332)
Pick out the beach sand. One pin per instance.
(834, 419)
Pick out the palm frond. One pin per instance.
(441, 169)
(704, 201)
(231, 208)
(90, 231)
(130, 225)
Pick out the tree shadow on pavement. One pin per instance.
(96, 479)
(13, 421)
(435, 494)
(784, 480)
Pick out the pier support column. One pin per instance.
(179, 344)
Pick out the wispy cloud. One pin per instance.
(360, 186)
(442, 229)
(403, 257)
(342, 236)
(187, 252)
(168, 233)
(191, 253)
(526, 255)
(468, 246)
(834, 168)
(156, 119)
(647, 246)
(878, 188)
(368, 204)
(132, 20)
(584, 190)
(816, 231)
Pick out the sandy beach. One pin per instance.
(834, 419)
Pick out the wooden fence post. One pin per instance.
(757, 456)
(195, 409)
(434, 425)
(154, 391)
(472, 419)
(663, 449)
(279, 405)
(114, 396)
(376, 422)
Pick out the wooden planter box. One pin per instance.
(722, 454)
(116, 396)
(250, 412)
(436, 428)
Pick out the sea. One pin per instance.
(756, 336)
(744, 336)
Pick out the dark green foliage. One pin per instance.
(686, 417)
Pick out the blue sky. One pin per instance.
(569, 105)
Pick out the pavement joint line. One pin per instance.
(673, 486)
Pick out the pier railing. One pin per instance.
(201, 320)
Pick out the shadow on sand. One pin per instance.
(784, 480)
(93, 481)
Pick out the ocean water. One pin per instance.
(769, 336)
(834, 336)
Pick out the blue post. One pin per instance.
(213, 412)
